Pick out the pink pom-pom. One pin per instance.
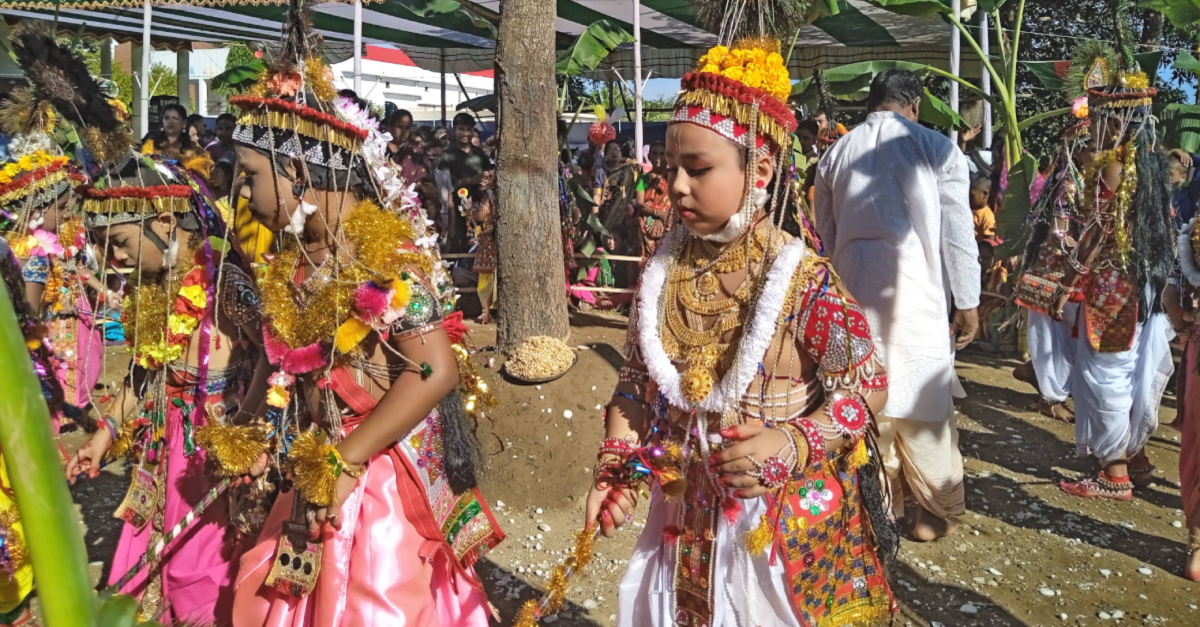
(275, 349)
(731, 508)
(371, 300)
(670, 534)
(305, 359)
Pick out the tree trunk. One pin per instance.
(530, 275)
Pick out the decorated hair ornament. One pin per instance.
(33, 182)
(60, 86)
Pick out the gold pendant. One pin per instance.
(708, 284)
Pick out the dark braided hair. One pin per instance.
(1153, 228)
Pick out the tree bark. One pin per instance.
(529, 272)
(1152, 29)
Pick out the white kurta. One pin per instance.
(892, 211)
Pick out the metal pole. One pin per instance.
(106, 55)
(144, 105)
(442, 59)
(955, 59)
(358, 47)
(637, 78)
(985, 42)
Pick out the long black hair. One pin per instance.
(1153, 229)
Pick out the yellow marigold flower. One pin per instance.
(775, 59)
(711, 69)
(181, 325)
(277, 396)
(25, 162)
(734, 73)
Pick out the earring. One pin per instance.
(760, 193)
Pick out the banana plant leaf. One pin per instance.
(1180, 126)
(238, 76)
(1014, 210)
(596, 43)
(433, 8)
(52, 533)
(1181, 13)
(1185, 61)
(853, 82)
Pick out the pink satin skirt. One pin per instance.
(197, 574)
(372, 569)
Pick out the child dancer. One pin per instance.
(383, 522)
(748, 357)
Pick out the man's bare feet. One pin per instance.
(1141, 470)
(928, 527)
(1057, 411)
(1026, 374)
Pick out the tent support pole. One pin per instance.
(442, 69)
(358, 47)
(984, 45)
(637, 79)
(955, 60)
(106, 54)
(147, 50)
(183, 79)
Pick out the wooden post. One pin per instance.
(530, 273)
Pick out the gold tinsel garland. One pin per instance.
(143, 206)
(145, 314)
(17, 554)
(1118, 206)
(234, 448)
(556, 587)
(319, 78)
(377, 238)
(312, 461)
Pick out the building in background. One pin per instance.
(391, 76)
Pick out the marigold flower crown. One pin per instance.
(730, 87)
(34, 181)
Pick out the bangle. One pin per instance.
(799, 443)
(113, 427)
(615, 446)
(812, 435)
(354, 470)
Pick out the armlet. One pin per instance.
(240, 303)
(835, 334)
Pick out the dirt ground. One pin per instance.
(1025, 553)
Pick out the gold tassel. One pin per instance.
(761, 538)
(234, 448)
(858, 457)
(312, 472)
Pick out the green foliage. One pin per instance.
(852, 82)
(162, 81)
(240, 54)
(237, 79)
(122, 79)
(600, 39)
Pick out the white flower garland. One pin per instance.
(755, 342)
(1187, 259)
(397, 195)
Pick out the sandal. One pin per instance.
(1102, 486)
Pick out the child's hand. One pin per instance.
(753, 441)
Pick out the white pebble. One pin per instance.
(499, 504)
(590, 604)
(1106, 572)
(544, 527)
(568, 413)
(1104, 615)
(538, 511)
(1145, 571)
(1046, 592)
(537, 387)
(1118, 614)
(1062, 617)
(599, 406)
(969, 608)
(995, 572)
(1176, 524)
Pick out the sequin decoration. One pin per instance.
(815, 497)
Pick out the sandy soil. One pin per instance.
(1025, 552)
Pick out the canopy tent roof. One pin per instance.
(672, 40)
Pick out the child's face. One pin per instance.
(225, 130)
(272, 210)
(705, 179)
(463, 134)
(128, 246)
(1176, 171)
(979, 197)
(658, 157)
(218, 183)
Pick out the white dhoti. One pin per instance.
(924, 457)
(748, 591)
(1052, 349)
(1117, 394)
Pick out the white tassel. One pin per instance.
(299, 217)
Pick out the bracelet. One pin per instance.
(614, 446)
(355, 471)
(812, 435)
(112, 425)
(1078, 267)
(799, 444)
(608, 468)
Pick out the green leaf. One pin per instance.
(1186, 62)
(600, 39)
(593, 222)
(588, 247)
(935, 112)
(218, 244)
(238, 76)
(1179, 124)
(1149, 62)
(1046, 72)
(1181, 13)
(117, 610)
(583, 197)
(850, 82)
(1010, 223)
(914, 7)
(429, 8)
